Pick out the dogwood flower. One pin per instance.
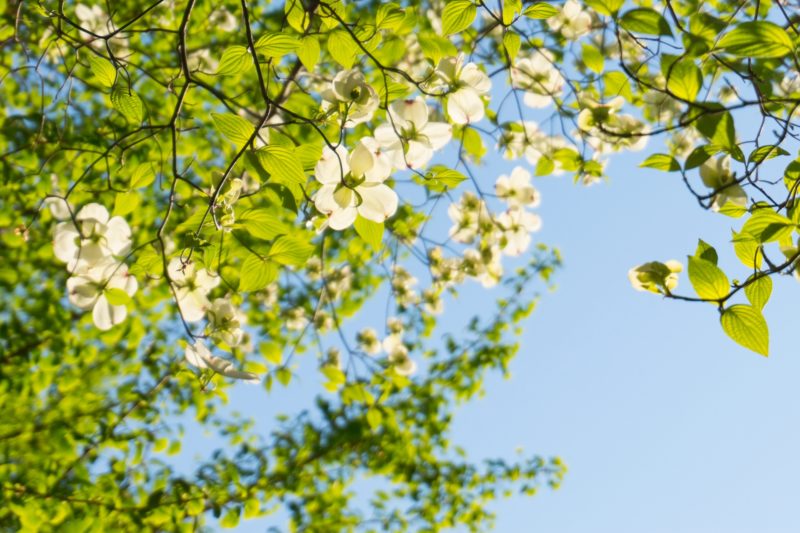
(87, 288)
(410, 120)
(368, 341)
(538, 77)
(716, 174)
(517, 224)
(466, 84)
(352, 185)
(469, 215)
(398, 355)
(96, 237)
(350, 88)
(517, 189)
(225, 322)
(199, 356)
(191, 288)
(655, 276)
(572, 21)
(607, 131)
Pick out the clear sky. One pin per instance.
(665, 424)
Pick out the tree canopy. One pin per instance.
(201, 193)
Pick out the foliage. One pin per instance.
(195, 194)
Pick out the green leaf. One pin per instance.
(719, 129)
(256, 273)
(685, 80)
(128, 103)
(374, 418)
(284, 376)
(342, 48)
(457, 16)
(510, 10)
(766, 152)
(646, 21)
(117, 296)
(664, 162)
(389, 16)
(700, 155)
(233, 127)
(283, 165)
(746, 325)
(103, 71)
(448, 177)
(758, 38)
(195, 506)
(512, 43)
(592, 58)
(234, 61)
(371, 232)
(540, 10)
(277, 44)
(706, 251)
(291, 250)
(263, 223)
(334, 374)
(758, 291)
(296, 15)
(747, 249)
(231, 518)
(765, 225)
(709, 282)
(126, 202)
(143, 175)
(605, 7)
(308, 53)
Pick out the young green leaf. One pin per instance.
(117, 296)
(128, 103)
(685, 80)
(234, 127)
(709, 282)
(256, 273)
(759, 291)
(457, 16)
(263, 223)
(759, 38)
(371, 232)
(746, 325)
(646, 21)
(308, 53)
(103, 71)
(235, 60)
(342, 48)
(291, 250)
(706, 251)
(664, 162)
(277, 44)
(540, 10)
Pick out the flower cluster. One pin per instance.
(538, 77)
(93, 246)
(607, 131)
(655, 276)
(393, 344)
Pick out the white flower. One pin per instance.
(517, 224)
(606, 131)
(716, 174)
(466, 84)
(201, 60)
(410, 120)
(226, 322)
(368, 341)
(484, 265)
(468, 216)
(352, 185)
(398, 355)
(296, 319)
(222, 19)
(100, 237)
(95, 20)
(517, 189)
(538, 77)
(191, 288)
(572, 21)
(351, 88)
(199, 356)
(655, 277)
(59, 208)
(86, 290)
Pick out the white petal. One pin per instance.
(476, 78)
(118, 236)
(407, 112)
(106, 315)
(193, 304)
(438, 134)
(64, 246)
(82, 291)
(332, 166)
(93, 212)
(418, 155)
(465, 106)
(343, 218)
(379, 202)
(197, 354)
(361, 160)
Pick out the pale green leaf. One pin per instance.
(746, 325)
(235, 60)
(457, 16)
(758, 291)
(709, 282)
(233, 127)
(759, 38)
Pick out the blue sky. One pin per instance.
(665, 424)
